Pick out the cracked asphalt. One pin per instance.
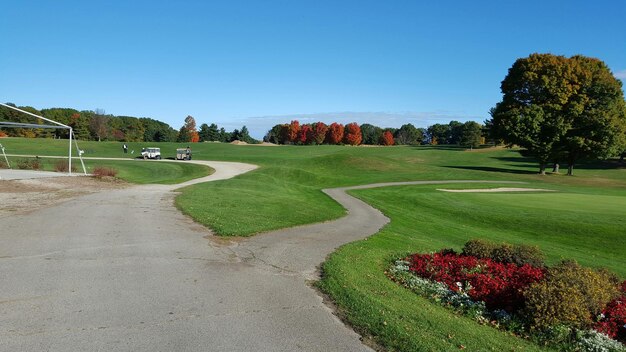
(123, 270)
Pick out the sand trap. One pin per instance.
(494, 190)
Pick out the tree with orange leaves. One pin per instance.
(386, 138)
(335, 133)
(353, 134)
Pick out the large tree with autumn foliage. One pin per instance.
(561, 108)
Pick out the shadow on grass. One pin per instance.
(455, 148)
(584, 165)
(493, 169)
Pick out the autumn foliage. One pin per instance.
(352, 134)
(305, 135)
(387, 138)
(335, 133)
(319, 132)
(194, 137)
(293, 131)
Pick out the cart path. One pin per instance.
(124, 270)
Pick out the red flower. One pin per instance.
(499, 285)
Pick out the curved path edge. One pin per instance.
(301, 249)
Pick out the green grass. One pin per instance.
(134, 171)
(565, 225)
(583, 220)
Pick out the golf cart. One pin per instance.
(151, 153)
(183, 153)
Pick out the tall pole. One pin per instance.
(69, 164)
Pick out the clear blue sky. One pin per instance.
(261, 62)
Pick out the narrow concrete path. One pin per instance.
(125, 271)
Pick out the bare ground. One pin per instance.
(23, 196)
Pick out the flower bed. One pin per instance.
(567, 306)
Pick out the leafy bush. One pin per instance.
(478, 248)
(504, 253)
(527, 254)
(3, 134)
(29, 164)
(63, 166)
(570, 295)
(102, 171)
(3, 165)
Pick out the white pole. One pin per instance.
(5, 156)
(69, 164)
(80, 155)
(31, 114)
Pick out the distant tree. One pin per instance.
(408, 134)
(275, 135)
(471, 134)
(188, 132)
(371, 134)
(234, 135)
(424, 133)
(335, 133)
(183, 135)
(386, 138)
(293, 131)
(204, 133)
(305, 135)
(244, 135)
(213, 133)
(319, 132)
(352, 134)
(438, 134)
(224, 136)
(157, 131)
(455, 129)
(99, 125)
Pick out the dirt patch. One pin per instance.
(495, 190)
(22, 196)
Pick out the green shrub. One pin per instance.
(569, 295)
(478, 248)
(505, 253)
(527, 254)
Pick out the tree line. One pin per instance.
(469, 134)
(98, 126)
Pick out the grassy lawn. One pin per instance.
(583, 220)
(135, 171)
(586, 227)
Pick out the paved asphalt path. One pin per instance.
(124, 270)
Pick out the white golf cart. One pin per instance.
(151, 153)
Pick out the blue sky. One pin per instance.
(260, 63)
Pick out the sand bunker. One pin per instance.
(494, 190)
